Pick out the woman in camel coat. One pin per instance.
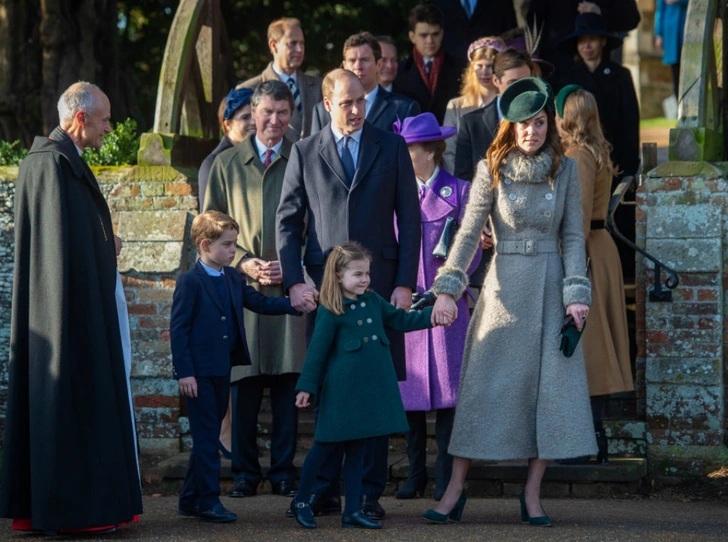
(605, 339)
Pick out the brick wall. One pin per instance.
(681, 370)
(151, 209)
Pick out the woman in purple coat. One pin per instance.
(434, 356)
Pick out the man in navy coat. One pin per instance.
(363, 56)
(351, 181)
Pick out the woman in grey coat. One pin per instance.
(519, 396)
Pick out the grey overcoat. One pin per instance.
(519, 396)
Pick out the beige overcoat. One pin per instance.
(606, 342)
(242, 187)
(519, 396)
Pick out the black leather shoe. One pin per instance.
(218, 514)
(325, 506)
(359, 520)
(303, 514)
(371, 508)
(189, 511)
(285, 488)
(412, 488)
(243, 488)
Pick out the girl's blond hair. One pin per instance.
(471, 90)
(341, 256)
(580, 127)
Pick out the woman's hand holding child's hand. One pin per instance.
(302, 399)
(445, 310)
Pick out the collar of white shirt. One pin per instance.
(212, 271)
(388, 88)
(371, 97)
(284, 76)
(262, 147)
(428, 182)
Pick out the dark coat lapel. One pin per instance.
(380, 105)
(435, 205)
(368, 150)
(205, 280)
(327, 150)
(233, 289)
(490, 117)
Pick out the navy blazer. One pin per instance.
(385, 110)
(198, 328)
(476, 133)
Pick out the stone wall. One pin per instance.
(151, 209)
(681, 220)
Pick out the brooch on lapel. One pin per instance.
(445, 191)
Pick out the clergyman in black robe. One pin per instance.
(69, 457)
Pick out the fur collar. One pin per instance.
(526, 168)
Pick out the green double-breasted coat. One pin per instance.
(349, 360)
(242, 187)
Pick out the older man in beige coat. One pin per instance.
(245, 182)
(287, 45)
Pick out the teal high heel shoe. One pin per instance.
(454, 515)
(540, 521)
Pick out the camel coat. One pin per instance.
(242, 187)
(605, 339)
(519, 396)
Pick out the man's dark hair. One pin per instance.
(277, 90)
(389, 40)
(425, 13)
(510, 58)
(363, 38)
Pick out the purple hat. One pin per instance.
(423, 127)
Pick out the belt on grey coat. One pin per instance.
(527, 247)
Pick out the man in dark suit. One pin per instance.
(348, 182)
(478, 128)
(430, 76)
(468, 20)
(363, 56)
(286, 43)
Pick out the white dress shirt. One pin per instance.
(370, 100)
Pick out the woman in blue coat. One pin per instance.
(670, 18)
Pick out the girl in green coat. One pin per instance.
(349, 361)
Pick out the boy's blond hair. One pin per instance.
(211, 225)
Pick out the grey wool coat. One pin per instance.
(519, 396)
(241, 186)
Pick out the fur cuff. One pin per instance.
(577, 290)
(450, 280)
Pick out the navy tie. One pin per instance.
(347, 159)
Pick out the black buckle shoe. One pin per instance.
(218, 514)
(360, 521)
(371, 508)
(303, 514)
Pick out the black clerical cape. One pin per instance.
(69, 458)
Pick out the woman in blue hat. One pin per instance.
(433, 356)
(236, 122)
(520, 397)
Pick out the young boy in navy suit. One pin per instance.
(208, 337)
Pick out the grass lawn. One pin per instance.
(658, 122)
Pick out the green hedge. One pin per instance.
(119, 148)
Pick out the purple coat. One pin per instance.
(434, 356)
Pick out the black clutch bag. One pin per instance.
(448, 233)
(570, 336)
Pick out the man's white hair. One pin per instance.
(79, 96)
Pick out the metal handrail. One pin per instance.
(657, 294)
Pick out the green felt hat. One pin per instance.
(562, 95)
(525, 98)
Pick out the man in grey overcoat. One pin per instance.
(287, 45)
(245, 182)
(349, 182)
